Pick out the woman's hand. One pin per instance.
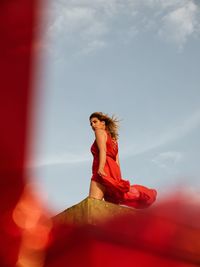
(101, 172)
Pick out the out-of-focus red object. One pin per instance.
(165, 235)
(17, 20)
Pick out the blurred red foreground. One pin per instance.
(165, 235)
(162, 236)
(16, 34)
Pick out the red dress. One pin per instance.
(118, 190)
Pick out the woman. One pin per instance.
(106, 181)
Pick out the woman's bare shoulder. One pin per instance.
(100, 133)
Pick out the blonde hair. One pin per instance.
(111, 123)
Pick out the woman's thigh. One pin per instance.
(96, 190)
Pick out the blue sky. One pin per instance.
(137, 59)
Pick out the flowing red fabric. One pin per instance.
(118, 190)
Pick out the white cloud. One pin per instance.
(162, 3)
(180, 24)
(72, 20)
(93, 46)
(59, 159)
(86, 22)
(80, 24)
(165, 159)
(159, 139)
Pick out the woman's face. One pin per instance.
(97, 124)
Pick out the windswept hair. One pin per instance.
(111, 123)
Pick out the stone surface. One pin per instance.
(92, 211)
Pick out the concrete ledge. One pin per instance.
(92, 211)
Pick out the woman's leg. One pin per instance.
(96, 190)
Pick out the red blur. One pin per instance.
(166, 235)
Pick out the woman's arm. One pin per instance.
(117, 159)
(101, 143)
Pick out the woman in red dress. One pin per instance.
(106, 182)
